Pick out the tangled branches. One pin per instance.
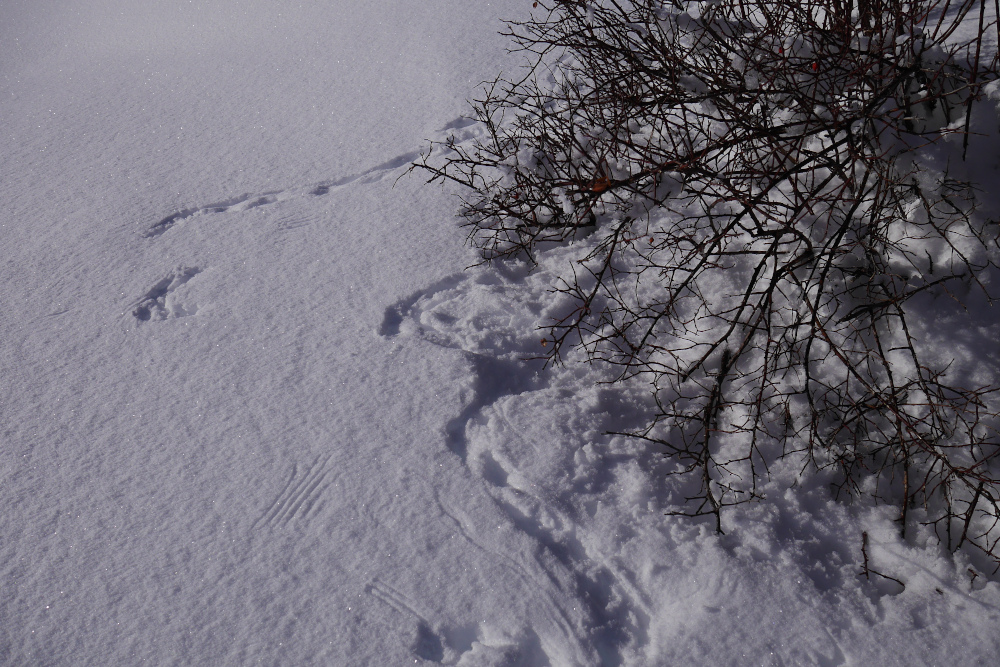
(757, 227)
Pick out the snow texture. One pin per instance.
(256, 410)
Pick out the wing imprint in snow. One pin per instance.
(300, 495)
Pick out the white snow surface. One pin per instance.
(254, 408)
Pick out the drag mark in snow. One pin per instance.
(245, 202)
(300, 495)
(159, 302)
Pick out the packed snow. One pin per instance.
(257, 409)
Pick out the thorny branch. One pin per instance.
(759, 231)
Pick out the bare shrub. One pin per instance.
(758, 226)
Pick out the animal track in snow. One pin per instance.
(460, 129)
(243, 202)
(161, 302)
(300, 496)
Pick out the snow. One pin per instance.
(255, 408)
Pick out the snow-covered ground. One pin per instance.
(255, 410)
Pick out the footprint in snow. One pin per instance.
(162, 302)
